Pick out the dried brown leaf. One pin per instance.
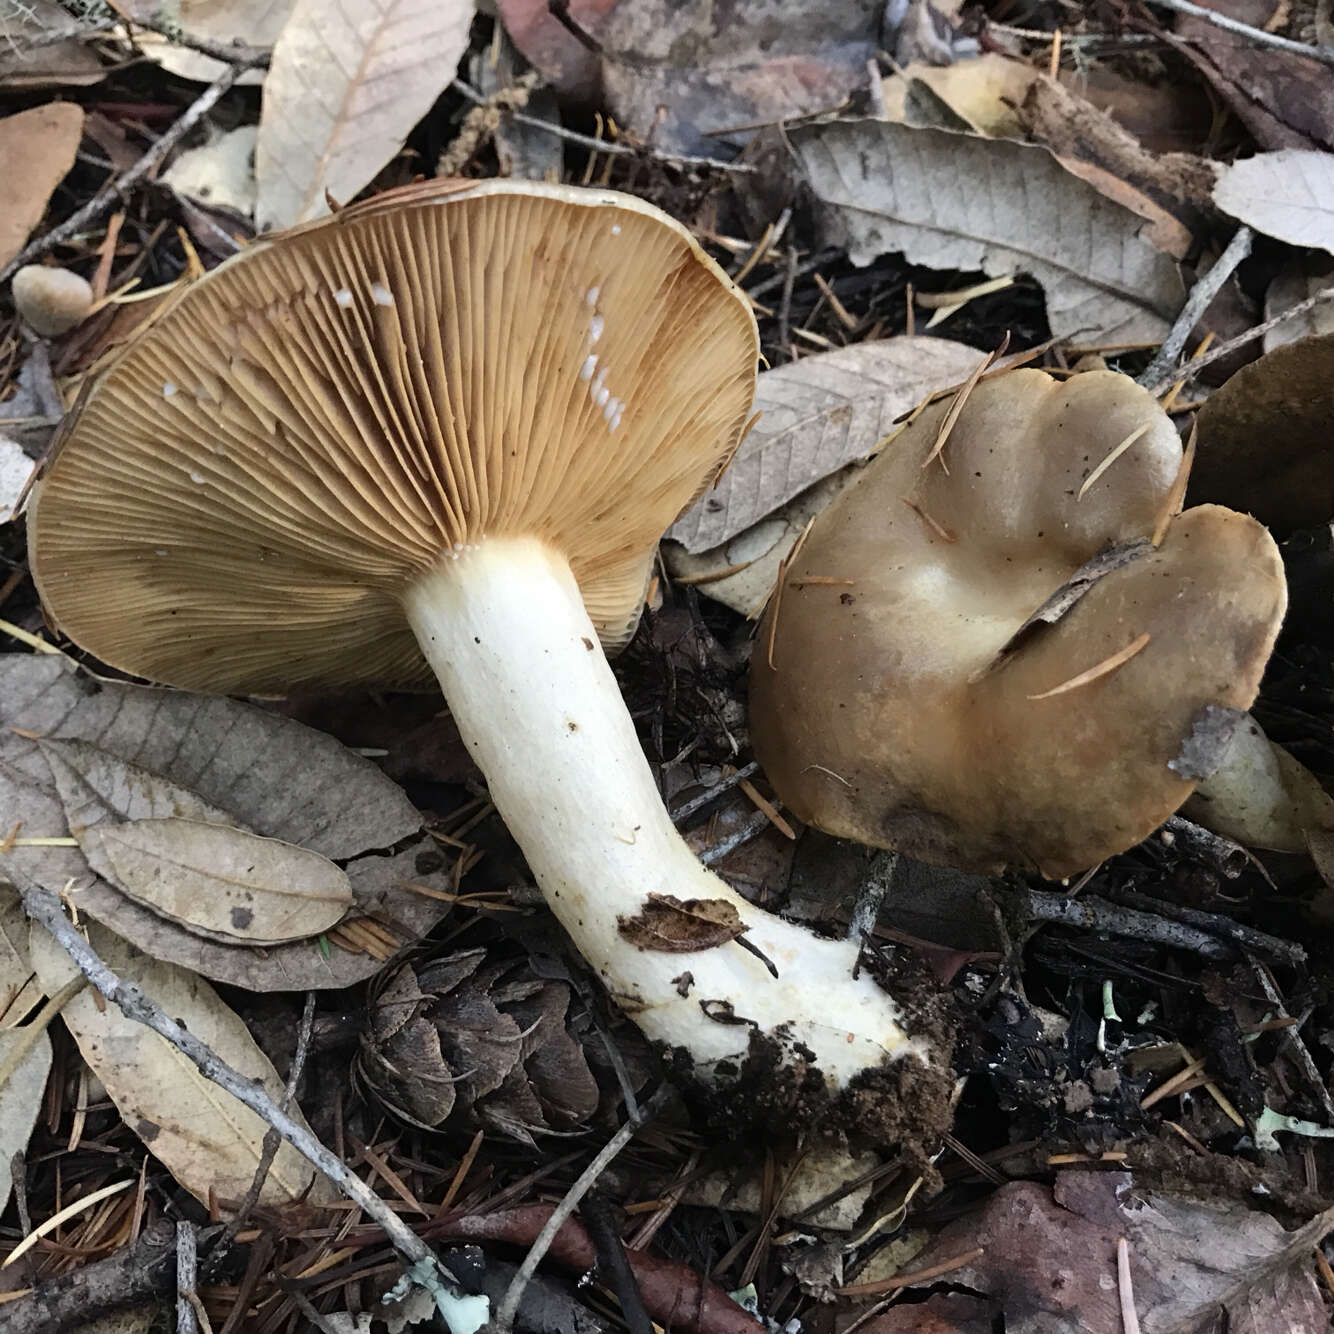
(219, 881)
(816, 416)
(681, 926)
(114, 751)
(1188, 1259)
(958, 201)
(19, 991)
(346, 85)
(37, 148)
(20, 1101)
(201, 1134)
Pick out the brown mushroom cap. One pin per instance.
(254, 481)
(898, 712)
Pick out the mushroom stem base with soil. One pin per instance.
(504, 627)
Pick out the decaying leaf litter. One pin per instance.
(1141, 1051)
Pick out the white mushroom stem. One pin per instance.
(504, 627)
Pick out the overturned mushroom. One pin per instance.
(1000, 646)
(452, 423)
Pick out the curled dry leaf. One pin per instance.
(221, 882)
(20, 1101)
(19, 991)
(1288, 195)
(681, 926)
(110, 753)
(346, 85)
(37, 148)
(202, 1135)
(1264, 441)
(957, 201)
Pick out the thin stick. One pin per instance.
(1197, 364)
(1257, 35)
(1094, 914)
(503, 1321)
(1129, 1320)
(187, 1256)
(44, 907)
(604, 145)
(907, 1280)
(1161, 368)
(120, 186)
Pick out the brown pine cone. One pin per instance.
(469, 1040)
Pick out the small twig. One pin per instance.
(743, 833)
(613, 1263)
(44, 907)
(884, 1285)
(697, 803)
(1293, 1037)
(186, 1276)
(503, 1319)
(269, 1147)
(1257, 35)
(120, 186)
(1129, 1320)
(1095, 914)
(1162, 368)
(1226, 857)
(785, 308)
(1218, 926)
(307, 1309)
(1217, 353)
(603, 145)
(871, 893)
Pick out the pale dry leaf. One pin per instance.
(220, 173)
(252, 22)
(983, 93)
(19, 992)
(1288, 195)
(1303, 277)
(20, 1101)
(958, 201)
(219, 881)
(346, 85)
(71, 63)
(96, 786)
(201, 1134)
(817, 415)
(37, 148)
(110, 751)
(15, 470)
(279, 777)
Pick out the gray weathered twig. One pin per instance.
(1098, 915)
(1257, 35)
(120, 185)
(503, 1320)
(44, 907)
(1162, 369)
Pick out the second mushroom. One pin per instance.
(1002, 645)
